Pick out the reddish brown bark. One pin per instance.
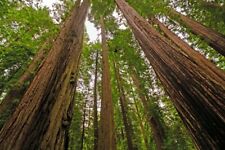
(215, 39)
(106, 131)
(124, 110)
(198, 94)
(42, 118)
(155, 125)
(96, 104)
(196, 57)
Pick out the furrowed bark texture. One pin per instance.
(156, 127)
(124, 110)
(44, 113)
(197, 93)
(96, 104)
(205, 64)
(215, 39)
(106, 131)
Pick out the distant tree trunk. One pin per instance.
(198, 94)
(141, 125)
(96, 104)
(89, 128)
(155, 125)
(16, 93)
(42, 118)
(215, 39)
(89, 118)
(83, 125)
(122, 133)
(124, 109)
(106, 131)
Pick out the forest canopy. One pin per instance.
(112, 74)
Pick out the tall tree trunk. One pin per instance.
(106, 131)
(83, 125)
(16, 93)
(198, 94)
(43, 115)
(141, 125)
(206, 65)
(96, 104)
(124, 109)
(155, 125)
(215, 39)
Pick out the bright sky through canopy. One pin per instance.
(91, 30)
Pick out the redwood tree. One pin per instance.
(154, 123)
(95, 106)
(197, 91)
(83, 125)
(124, 110)
(106, 139)
(42, 118)
(185, 47)
(215, 39)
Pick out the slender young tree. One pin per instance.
(44, 113)
(124, 110)
(83, 125)
(215, 39)
(106, 139)
(154, 123)
(138, 115)
(96, 104)
(198, 94)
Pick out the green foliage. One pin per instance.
(102, 7)
(75, 129)
(177, 136)
(22, 32)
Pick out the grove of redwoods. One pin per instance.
(153, 79)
